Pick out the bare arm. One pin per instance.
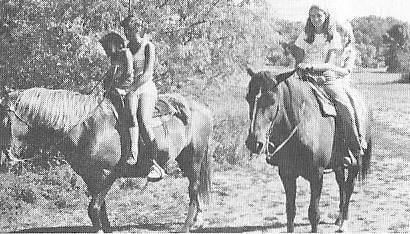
(148, 70)
(149, 59)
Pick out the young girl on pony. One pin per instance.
(135, 63)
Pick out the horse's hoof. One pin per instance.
(184, 230)
(199, 222)
(338, 221)
(343, 227)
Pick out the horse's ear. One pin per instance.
(250, 72)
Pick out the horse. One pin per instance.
(85, 129)
(286, 118)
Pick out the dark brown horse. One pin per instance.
(285, 117)
(85, 129)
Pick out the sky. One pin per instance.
(297, 10)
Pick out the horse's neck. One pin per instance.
(287, 106)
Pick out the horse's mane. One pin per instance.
(287, 82)
(57, 109)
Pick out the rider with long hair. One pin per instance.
(321, 44)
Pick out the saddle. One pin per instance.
(167, 105)
(172, 104)
(326, 106)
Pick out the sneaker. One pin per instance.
(156, 173)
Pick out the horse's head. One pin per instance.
(11, 127)
(264, 102)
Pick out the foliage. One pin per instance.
(368, 33)
(397, 57)
(57, 41)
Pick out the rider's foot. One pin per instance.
(131, 161)
(363, 144)
(156, 173)
(351, 160)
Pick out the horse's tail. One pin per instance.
(205, 178)
(366, 160)
(203, 126)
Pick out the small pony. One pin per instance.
(85, 130)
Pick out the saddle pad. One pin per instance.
(327, 107)
(167, 104)
(172, 104)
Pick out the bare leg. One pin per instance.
(132, 104)
(146, 107)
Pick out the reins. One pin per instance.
(280, 146)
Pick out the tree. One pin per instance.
(368, 33)
(396, 55)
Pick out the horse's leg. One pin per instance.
(193, 190)
(104, 217)
(315, 192)
(97, 207)
(289, 183)
(340, 178)
(349, 187)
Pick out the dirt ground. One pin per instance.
(251, 198)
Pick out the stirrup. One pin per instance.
(156, 173)
(350, 160)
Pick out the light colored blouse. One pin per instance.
(317, 51)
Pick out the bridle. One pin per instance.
(269, 143)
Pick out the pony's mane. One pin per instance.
(57, 109)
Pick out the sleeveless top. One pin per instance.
(138, 51)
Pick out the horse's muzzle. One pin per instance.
(253, 145)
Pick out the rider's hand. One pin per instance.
(320, 80)
(329, 75)
(304, 66)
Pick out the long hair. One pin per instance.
(345, 29)
(329, 27)
(112, 42)
(59, 110)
